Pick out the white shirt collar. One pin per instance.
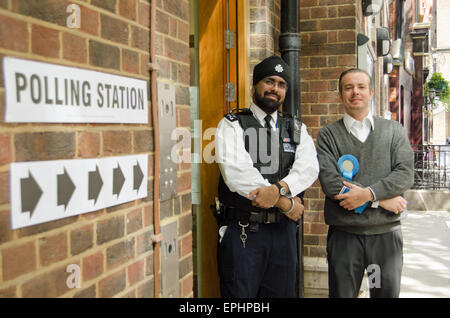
(260, 115)
(349, 121)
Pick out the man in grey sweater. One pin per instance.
(371, 240)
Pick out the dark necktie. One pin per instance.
(267, 119)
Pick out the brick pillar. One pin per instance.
(328, 31)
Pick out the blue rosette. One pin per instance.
(349, 166)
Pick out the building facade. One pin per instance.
(164, 243)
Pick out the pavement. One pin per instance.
(426, 255)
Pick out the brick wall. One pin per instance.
(112, 246)
(328, 31)
(264, 21)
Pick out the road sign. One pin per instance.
(43, 191)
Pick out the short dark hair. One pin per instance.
(353, 70)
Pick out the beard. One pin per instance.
(268, 105)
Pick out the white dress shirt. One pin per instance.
(359, 129)
(236, 164)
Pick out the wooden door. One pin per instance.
(217, 66)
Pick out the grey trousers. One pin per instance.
(349, 255)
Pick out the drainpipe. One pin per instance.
(153, 68)
(290, 44)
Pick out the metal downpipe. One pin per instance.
(290, 45)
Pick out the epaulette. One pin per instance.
(233, 114)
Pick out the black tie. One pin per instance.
(268, 118)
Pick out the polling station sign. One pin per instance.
(43, 92)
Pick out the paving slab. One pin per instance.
(426, 255)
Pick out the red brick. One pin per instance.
(112, 284)
(177, 50)
(110, 229)
(144, 14)
(148, 215)
(89, 21)
(18, 260)
(44, 146)
(116, 142)
(81, 239)
(329, 97)
(13, 34)
(52, 11)
(130, 61)
(9, 292)
(184, 182)
(134, 221)
(184, 117)
(6, 234)
(347, 10)
(114, 29)
(104, 55)
(145, 59)
(49, 284)
(183, 31)
(52, 249)
(127, 9)
(311, 121)
(144, 243)
(109, 5)
(120, 253)
(185, 245)
(136, 272)
(88, 144)
(74, 48)
(4, 187)
(45, 41)
(92, 266)
(5, 146)
(140, 39)
(187, 285)
(317, 86)
(143, 141)
(319, 12)
(308, 3)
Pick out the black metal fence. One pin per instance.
(431, 167)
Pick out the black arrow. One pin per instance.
(30, 193)
(138, 176)
(118, 180)
(95, 185)
(65, 188)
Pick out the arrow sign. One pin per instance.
(31, 192)
(71, 187)
(95, 184)
(138, 176)
(118, 180)
(65, 188)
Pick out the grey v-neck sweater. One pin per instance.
(386, 164)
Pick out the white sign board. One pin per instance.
(44, 191)
(42, 92)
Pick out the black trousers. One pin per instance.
(266, 267)
(350, 254)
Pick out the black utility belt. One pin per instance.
(262, 217)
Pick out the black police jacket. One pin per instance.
(258, 144)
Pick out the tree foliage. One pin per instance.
(441, 86)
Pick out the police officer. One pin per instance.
(266, 159)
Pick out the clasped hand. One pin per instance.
(268, 196)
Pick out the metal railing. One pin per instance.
(431, 167)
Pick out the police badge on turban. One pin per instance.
(273, 65)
